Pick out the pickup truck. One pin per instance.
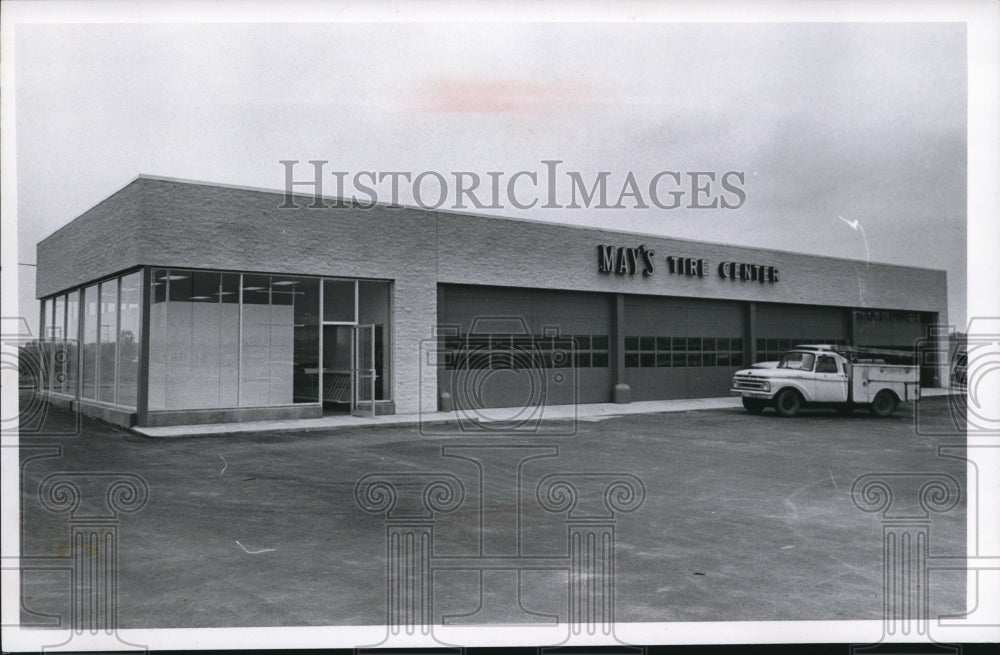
(837, 376)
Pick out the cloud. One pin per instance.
(495, 96)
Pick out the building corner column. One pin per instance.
(142, 393)
(622, 393)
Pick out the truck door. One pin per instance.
(831, 380)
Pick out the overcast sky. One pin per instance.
(864, 121)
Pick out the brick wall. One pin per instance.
(102, 241)
(476, 250)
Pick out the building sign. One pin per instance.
(744, 272)
(625, 261)
(886, 316)
(620, 260)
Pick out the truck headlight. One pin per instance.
(767, 386)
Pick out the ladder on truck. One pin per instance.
(859, 355)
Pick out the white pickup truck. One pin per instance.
(836, 376)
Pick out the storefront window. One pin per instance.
(58, 318)
(338, 301)
(57, 346)
(47, 313)
(89, 343)
(72, 367)
(129, 333)
(305, 383)
(217, 343)
(194, 340)
(229, 338)
(108, 340)
(373, 309)
(45, 345)
(280, 348)
(156, 390)
(267, 348)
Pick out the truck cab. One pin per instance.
(836, 376)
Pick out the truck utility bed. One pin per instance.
(867, 379)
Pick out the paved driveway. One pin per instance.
(744, 518)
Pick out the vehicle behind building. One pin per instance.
(959, 370)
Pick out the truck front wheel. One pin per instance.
(884, 404)
(754, 405)
(787, 403)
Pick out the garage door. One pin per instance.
(506, 347)
(682, 347)
(897, 330)
(780, 327)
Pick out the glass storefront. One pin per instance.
(108, 342)
(129, 339)
(306, 338)
(194, 327)
(97, 349)
(71, 367)
(227, 340)
(88, 344)
(47, 318)
(339, 301)
(272, 309)
(55, 310)
(92, 341)
(58, 318)
(373, 309)
(218, 340)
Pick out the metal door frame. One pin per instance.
(323, 324)
(357, 371)
(359, 367)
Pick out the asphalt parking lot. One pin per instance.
(744, 518)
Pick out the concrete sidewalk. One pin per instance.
(584, 412)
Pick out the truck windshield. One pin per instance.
(796, 360)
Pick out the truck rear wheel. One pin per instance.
(754, 405)
(884, 404)
(787, 403)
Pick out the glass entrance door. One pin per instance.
(353, 347)
(338, 368)
(365, 373)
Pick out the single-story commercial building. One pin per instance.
(176, 302)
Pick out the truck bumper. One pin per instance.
(761, 395)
